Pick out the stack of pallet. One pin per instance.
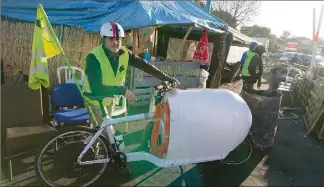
(301, 91)
(320, 128)
(314, 110)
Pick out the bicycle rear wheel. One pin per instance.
(58, 166)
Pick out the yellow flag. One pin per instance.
(45, 45)
(50, 41)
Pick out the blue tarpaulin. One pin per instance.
(90, 15)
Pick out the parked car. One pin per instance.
(306, 59)
(273, 56)
(287, 56)
(319, 60)
(300, 58)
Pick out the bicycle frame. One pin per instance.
(131, 157)
(106, 124)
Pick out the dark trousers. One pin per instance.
(248, 83)
(248, 86)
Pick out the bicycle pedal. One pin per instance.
(124, 169)
(120, 158)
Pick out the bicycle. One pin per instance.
(107, 150)
(12, 78)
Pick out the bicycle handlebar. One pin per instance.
(165, 86)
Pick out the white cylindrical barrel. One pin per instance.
(205, 124)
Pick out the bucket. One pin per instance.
(203, 78)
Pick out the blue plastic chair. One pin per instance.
(68, 95)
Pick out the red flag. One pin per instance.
(201, 54)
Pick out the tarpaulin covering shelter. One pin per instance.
(91, 14)
(242, 38)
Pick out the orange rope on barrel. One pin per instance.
(161, 150)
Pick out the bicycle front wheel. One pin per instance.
(240, 154)
(56, 160)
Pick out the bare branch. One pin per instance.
(235, 12)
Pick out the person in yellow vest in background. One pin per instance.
(252, 68)
(106, 68)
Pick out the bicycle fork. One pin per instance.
(89, 145)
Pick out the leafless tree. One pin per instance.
(285, 35)
(235, 13)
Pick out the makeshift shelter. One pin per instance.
(183, 18)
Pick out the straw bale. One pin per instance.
(17, 38)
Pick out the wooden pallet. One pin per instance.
(294, 93)
(320, 130)
(303, 90)
(314, 107)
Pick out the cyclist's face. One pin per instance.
(113, 44)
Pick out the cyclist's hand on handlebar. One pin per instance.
(130, 96)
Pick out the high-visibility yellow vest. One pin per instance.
(45, 45)
(249, 57)
(108, 75)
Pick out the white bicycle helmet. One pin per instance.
(112, 29)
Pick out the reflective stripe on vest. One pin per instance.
(38, 71)
(108, 75)
(245, 69)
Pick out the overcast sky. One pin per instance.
(294, 16)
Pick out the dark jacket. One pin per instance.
(255, 66)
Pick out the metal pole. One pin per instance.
(314, 44)
(315, 35)
(314, 22)
(208, 5)
(319, 23)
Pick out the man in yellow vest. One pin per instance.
(106, 69)
(252, 68)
